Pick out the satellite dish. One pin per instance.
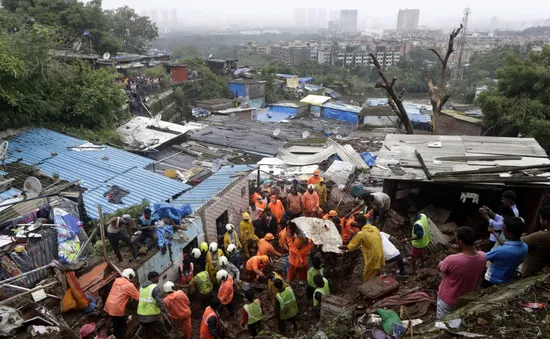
(305, 135)
(210, 56)
(106, 56)
(216, 164)
(3, 150)
(276, 132)
(32, 187)
(232, 115)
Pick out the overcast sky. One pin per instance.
(432, 13)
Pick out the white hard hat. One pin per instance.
(168, 287)
(229, 227)
(231, 248)
(213, 246)
(196, 253)
(222, 274)
(223, 261)
(129, 274)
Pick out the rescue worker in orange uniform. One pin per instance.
(277, 208)
(310, 202)
(298, 257)
(122, 290)
(349, 229)
(314, 179)
(178, 306)
(285, 237)
(265, 246)
(211, 327)
(256, 265)
(226, 291)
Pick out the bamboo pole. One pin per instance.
(102, 229)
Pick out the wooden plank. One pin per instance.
(480, 158)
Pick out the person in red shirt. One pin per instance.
(253, 313)
(463, 271)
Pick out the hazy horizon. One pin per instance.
(281, 13)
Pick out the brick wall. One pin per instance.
(448, 125)
(231, 200)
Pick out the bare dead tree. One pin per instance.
(394, 100)
(438, 95)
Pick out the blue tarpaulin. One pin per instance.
(341, 112)
(237, 89)
(305, 80)
(169, 210)
(286, 76)
(283, 109)
(368, 158)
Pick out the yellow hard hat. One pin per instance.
(246, 215)
(204, 246)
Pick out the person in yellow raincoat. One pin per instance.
(213, 261)
(247, 233)
(231, 237)
(371, 244)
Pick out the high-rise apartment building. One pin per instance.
(312, 18)
(299, 17)
(407, 19)
(322, 18)
(348, 21)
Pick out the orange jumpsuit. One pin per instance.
(277, 209)
(226, 292)
(310, 201)
(178, 307)
(255, 263)
(297, 260)
(313, 180)
(265, 248)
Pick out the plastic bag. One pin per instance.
(389, 317)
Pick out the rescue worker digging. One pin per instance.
(212, 261)
(204, 286)
(265, 246)
(256, 265)
(178, 306)
(226, 292)
(122, 290)
(421, 236)
(152, 313)
(368, 239)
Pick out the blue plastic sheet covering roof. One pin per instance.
(339, 111)
(97, 169)
(286, 76)
(9, 194)
(283, 109)
(305, 80)
(274, 116)
(217, 182)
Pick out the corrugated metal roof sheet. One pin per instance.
(97, 169)
(9, 194)
(205, 191)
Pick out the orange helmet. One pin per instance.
(269, 236)
(316, 172)
(265, 259)
(332, 213)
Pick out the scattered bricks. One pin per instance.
(333, 306)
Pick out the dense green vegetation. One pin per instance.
(520, 102)
(38, 89)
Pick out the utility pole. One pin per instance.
(457, 74)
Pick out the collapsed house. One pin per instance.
(462, 174)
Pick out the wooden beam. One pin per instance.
(423, 164)
(494, 170)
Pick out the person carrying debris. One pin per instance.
(231, 269)
(212, 260)
(247, 233)
(321, 289)
(234, 255)
(299, 250)
(122, 290)
(294, 202)
(332, 215)
(286, 307)
(265, 246)
(321, 190)
(226, 291)
(421, 236)
(204, 286)
(368, 239)
(463, 271)
(315, 178)
(505, 259)
(276, 207)
(310, 201)
(380, 203)
(256, 265)
(152, 313)
(211, 326)
(539, 246)
(115, 233)
(311, 273)
(253, 313)
(146, 224)
(230, 237)
(178, 306)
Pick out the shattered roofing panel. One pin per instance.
(98, 168)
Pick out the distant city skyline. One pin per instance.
(407, 19)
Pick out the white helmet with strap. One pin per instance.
(213, 247)
(168, 287)
(222, 274)
(129, 274)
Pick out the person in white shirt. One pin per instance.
(391, 253)
(381, 203)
